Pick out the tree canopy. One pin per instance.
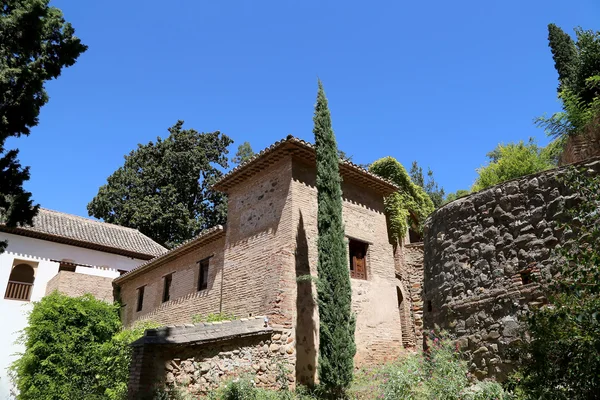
(410, 206)
(512, 160)
(164, 187)
(334, 293)
(36, 43)
(435, 193)
(243, 154)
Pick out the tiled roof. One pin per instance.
(299, 148)
(203, 237)
(84, 232)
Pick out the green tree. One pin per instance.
(243, 154)
(456, 195)
(564, 53)
(35, 45)
(164, 188)
(510, 161)
(563, 356)
(337, 323)
(409, 206)
(63, 348)
(435, 193)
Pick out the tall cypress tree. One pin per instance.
(337, 323)
(564, 53)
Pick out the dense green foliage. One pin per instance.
(456, 195)
(36, 43)
(564, 53)
(512, 161)
(563, 356)
(243, 154)
(334, 293)
(75, 349)
(63, 348)
(410, 205)
(212, 317)
(164, 188)
(435, 193)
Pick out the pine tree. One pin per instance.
(564, 54)
(337, 323)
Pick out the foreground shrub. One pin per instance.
(63, 348)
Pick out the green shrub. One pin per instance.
(63, 348)
(212, 317)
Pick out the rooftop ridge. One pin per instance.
(86, 219)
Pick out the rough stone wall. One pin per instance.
(185, 299)
(409, 271)
(197, 358)
(484, 255)
(75, 284)
(378, 330)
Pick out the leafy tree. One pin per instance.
(410, 206)
(337, 323)
(456, 195)
(35, 45)
(435, 193)
(511, 161)
(564, 53)
(243, 154)
(563, 355)
(63, 348)
(164, 188)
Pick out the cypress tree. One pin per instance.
(564, 53)
(337, 323)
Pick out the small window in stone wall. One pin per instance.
(203, 274)
(429, 306)
(358, 259)
(525, 277)
(66, 266)
(168, 279)
(140, 299)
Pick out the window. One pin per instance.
(203, 276)
(525, 277)
(167, 287)
(140, 299)
(20, 283)
(66, 266)
(358, 259)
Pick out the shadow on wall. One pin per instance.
(306, 352)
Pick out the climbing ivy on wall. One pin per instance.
(410, 200)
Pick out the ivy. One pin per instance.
(411, 201)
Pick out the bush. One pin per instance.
(63, 348)
(212, 317)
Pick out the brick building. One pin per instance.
(254, 266)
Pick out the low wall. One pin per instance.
(75, 284)
(198, 358)
(485, 255)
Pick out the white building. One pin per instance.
(72, 254)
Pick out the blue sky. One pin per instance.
(439, 82)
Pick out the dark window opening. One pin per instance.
(167, 288)
(66, 266)
(140, 299)
(525, 277)
(20, 283)
(429, 306)
(203, 276)
(358, 259)
(414, 237)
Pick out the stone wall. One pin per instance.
(485, 255)
(198, 358)
(75, 284)
(409, 271)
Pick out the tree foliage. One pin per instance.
(456, 195)
(334, 293)
(435, 193)
(510, 161)
(563, 356)
(243, 154)
(36, 43)
(63, 348)
(410, 206)
(164, 188)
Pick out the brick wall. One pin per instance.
(185, 299)
(75, 284)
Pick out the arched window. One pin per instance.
(20, 282)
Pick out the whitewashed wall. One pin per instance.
(13, 313)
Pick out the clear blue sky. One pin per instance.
(440, 82)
